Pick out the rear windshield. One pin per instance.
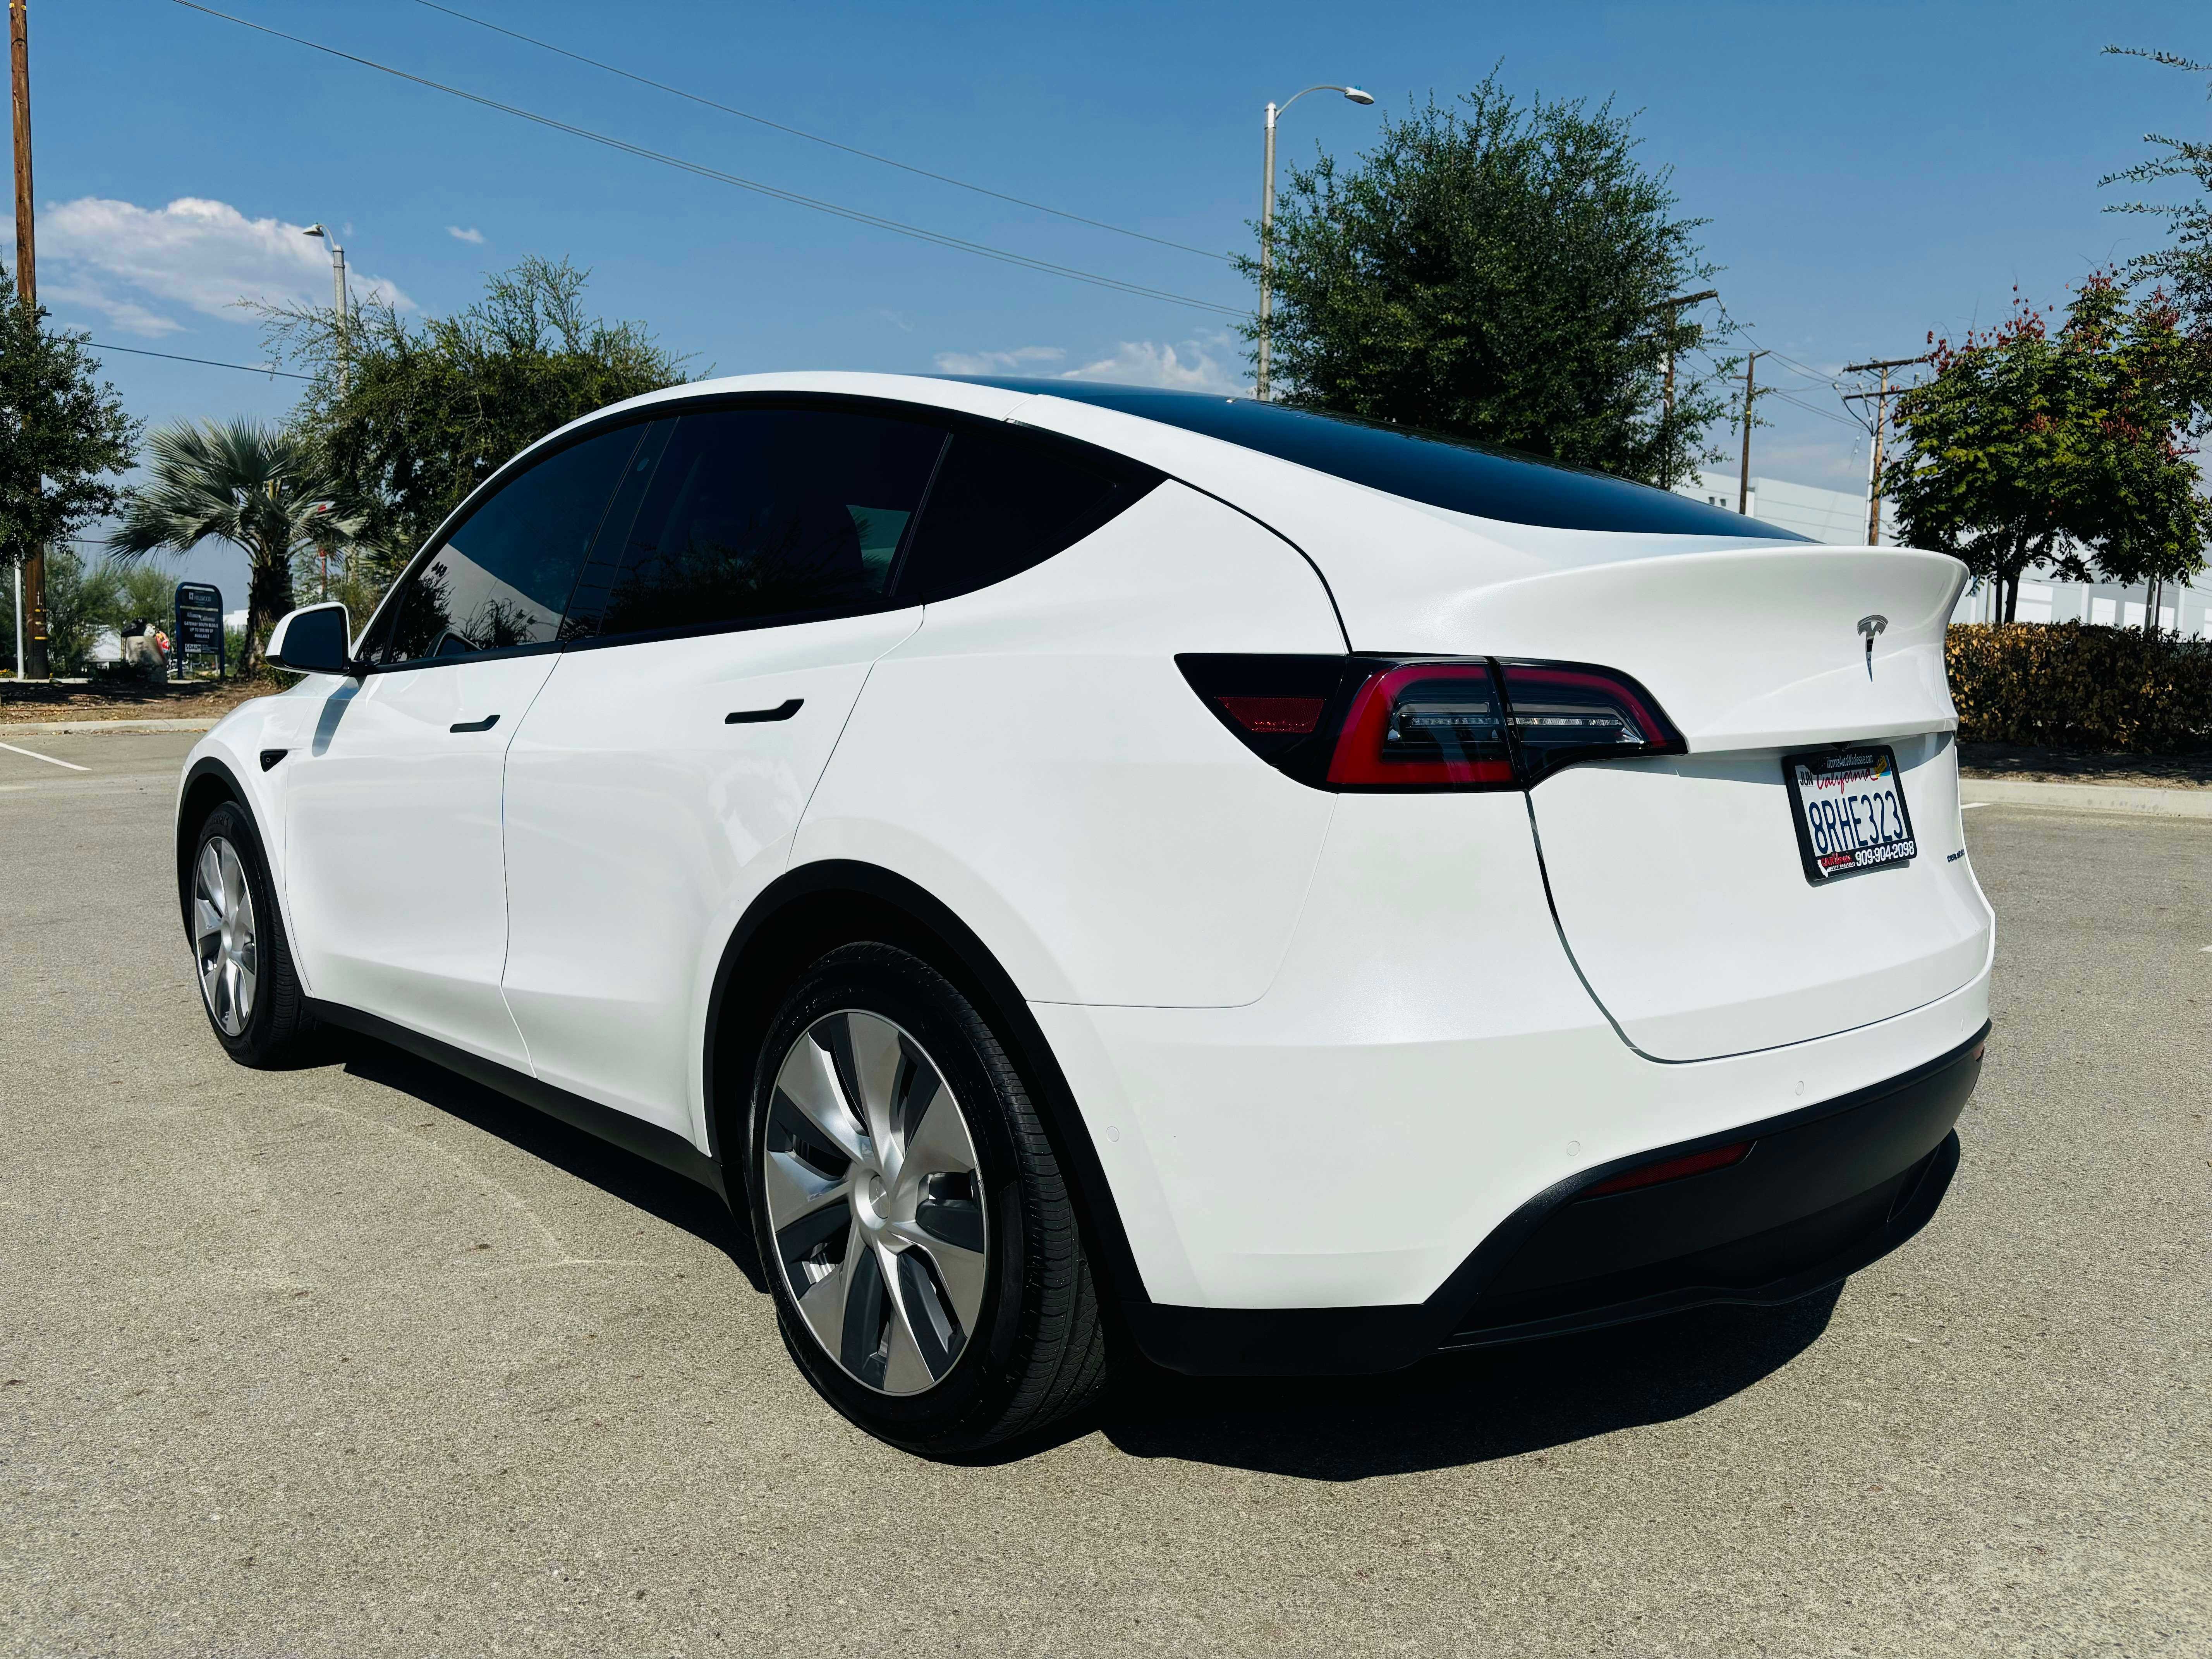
(1490, 483)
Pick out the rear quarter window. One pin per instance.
(1005, 499)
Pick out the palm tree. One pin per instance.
(242, 482)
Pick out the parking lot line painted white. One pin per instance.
(1974, 805)
(49, 759)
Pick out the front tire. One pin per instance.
(248, 989)
(913, 1223)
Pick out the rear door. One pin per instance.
(392, 808)
(738, 598)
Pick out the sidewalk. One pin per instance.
(73, 729)
(2183, 803)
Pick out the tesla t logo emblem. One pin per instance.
(1869, 626)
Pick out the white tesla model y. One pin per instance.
(1079, 865)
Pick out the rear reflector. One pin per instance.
(1674, 1169)
(1366, 723)
(1271, 716)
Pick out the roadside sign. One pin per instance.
(199, 624)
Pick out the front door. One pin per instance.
(395, 866)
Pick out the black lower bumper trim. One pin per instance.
(1824, 1192)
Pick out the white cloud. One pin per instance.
(1195, 365)
(111, 256)
(997, 362)
(1188, 365)
(473, 236)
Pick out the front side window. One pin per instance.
(503, 577)
(733, 516)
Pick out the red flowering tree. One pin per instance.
(2070, 448)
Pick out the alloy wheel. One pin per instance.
(874, 1199)
(224, 938)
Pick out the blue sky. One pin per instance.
(1869, 172)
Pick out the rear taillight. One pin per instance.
(1362, 723)
(1564, 712)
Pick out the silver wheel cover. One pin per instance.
(875, 1202)
(224, 938)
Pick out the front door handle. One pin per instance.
(782, 711)
(483, 725)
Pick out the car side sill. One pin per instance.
(647, 1140)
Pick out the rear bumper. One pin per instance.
(1823, 1193)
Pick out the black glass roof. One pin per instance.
(1492, 483)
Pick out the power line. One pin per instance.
(250, 368)
(895, 226)
(816, 138)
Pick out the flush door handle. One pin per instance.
(483, 725)
(782, 711)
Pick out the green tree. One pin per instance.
(1495, 272)
(2184, 267)
(258, 487)
(411, 416)
(2029, 448)
(82, 600)
(65, 440)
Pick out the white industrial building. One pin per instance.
(1840, 516)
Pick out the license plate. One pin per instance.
(1850, 811)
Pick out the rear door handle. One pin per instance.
(483, 725)
(782, 711)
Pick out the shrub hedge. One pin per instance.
(2071, 685)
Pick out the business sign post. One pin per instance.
(199, 625)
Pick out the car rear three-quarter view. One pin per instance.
(1089, 870)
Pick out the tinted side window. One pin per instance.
(745, 514)
(503, 578)
(1004, 501)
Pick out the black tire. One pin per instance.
(278, 1025)
(1037, 1351)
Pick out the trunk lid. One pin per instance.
(1677, 883)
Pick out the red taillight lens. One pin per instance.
(1567, 712)
(1425, 725)
(1673, 1169)
(1362, 723)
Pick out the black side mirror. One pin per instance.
(316, 639)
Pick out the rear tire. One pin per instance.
(914, 1225)
(248, 989)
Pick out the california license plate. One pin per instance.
(1850, 811)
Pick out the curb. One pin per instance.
(2088, 797)
(76, 728)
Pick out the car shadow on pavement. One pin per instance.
(1458, 1409)
(634, 1179)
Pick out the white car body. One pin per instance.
(1318, 1046)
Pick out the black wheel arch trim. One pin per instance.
(972, 965)
(1352, 1342)
(194, 785)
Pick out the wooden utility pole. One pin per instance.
(1750, 392)
(1673, 308)
(1881, 400)
(26, 285)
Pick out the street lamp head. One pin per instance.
(314, 230)
(1357, 96)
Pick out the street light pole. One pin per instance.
(341, 310)
(1267, 224)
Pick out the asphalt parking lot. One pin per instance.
(360, 1359)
